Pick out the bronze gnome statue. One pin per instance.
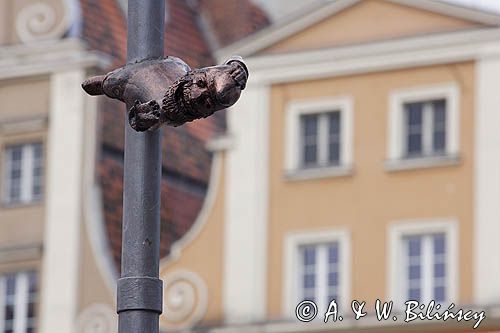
(167, 91)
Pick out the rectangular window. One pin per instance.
(320, 139)
(319, 273)
(425, 267)
(23, 175)
(18, 302)
(425, 128)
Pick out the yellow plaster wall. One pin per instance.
(369, 200)
(93, 288)
(370, 20)
(22, 99)
(204, 255)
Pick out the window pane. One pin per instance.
(33, 282)
(333, 253)
(413, 266)
(439, 294)
(439, 270)
(309, 281)
(333, 279)
(334, 123)
(310, 155)
(439, 142)
(308, 275)
(414, 113)
(16, 153)
(11, 285)
(414, 294)
(414, 134)
(13, 174)
(414, 144)
(334, 153)
(439, 130)
(439, 244)
(14, 193)
(9, 312)
(37, 151)
(414, 272)
(309, 125)
(414, 245)
(439, 107)
(309, 255)
(17, 188)
(334, 137)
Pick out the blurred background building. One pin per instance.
(360, 163)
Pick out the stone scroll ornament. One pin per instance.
(167, 91)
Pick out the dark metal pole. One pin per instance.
(139, 295)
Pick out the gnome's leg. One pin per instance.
(144, 116)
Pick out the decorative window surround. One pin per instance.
(395, 143)
(292, 244)
(296, 109)
(396, 269)
(422, 162)
(23, 125)
(27, 186)
(18, 299)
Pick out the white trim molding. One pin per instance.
(47, 57)
(93, 207)
(450, 92)
(23, 125)
(292, 243)
(487, 182)
(377, 56)
(286, 28)
(246, 209)
(294, 111)
(395, 234)
(60, 268)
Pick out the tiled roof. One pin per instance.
(186, 163)
(231, 20)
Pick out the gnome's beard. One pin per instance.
(177, 104)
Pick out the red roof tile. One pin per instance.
(186, 162)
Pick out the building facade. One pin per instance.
(61, 154)
(360, 164)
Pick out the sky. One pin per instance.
(483, 4)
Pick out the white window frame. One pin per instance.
(396, 136)
(293, 113)
(21, 301)
(396, 284)
(291, 281)
(27, 178)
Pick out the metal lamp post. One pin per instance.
(139, 294)
(156, 91)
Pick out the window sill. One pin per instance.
(20, 205)
(320, 172)
(424, 162)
